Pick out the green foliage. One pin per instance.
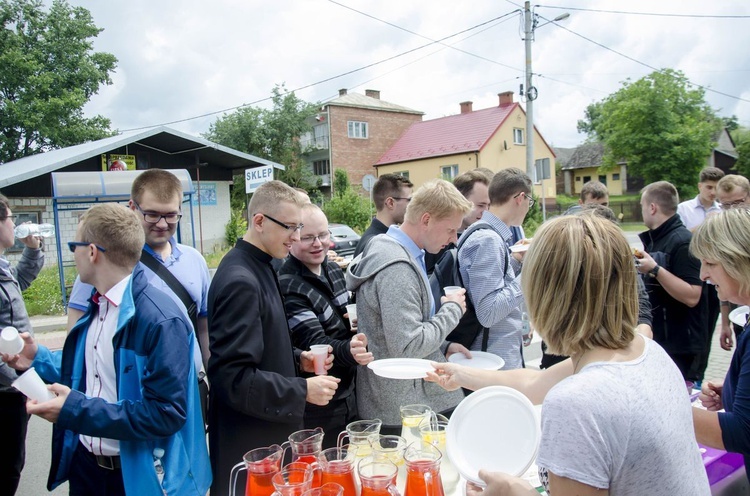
(235, 228)
(742, 166)
(340, 181)
(533, 219)
(48, 72)
(271, 134)
(659, 125)
(349, 208)
(43, 297)
(213, 259)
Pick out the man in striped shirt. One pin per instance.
(491, 275)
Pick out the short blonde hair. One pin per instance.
(724, 238)
(730, 182)
(117, 229)
(439, 198)
(580, 285)
(268, 196)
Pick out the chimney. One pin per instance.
(465, 107)
(373, 93)
(342, 92)
(506, 98)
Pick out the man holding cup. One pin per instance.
(124, 382)
(13, 280)
(315, 299)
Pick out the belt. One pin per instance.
(108, 462)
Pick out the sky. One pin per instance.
(178, 60)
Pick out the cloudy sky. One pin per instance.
(182, 59)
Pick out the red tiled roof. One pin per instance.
(460, 133)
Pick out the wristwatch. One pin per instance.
(654, 272)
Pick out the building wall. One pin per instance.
(581, 176)
(356, 155)
(499, 153)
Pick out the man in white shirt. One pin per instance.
(693, 212)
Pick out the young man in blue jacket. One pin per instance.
(124, 382)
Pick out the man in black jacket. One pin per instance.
(391, 194)
(672, 278)
(315, 299)
(257, 397)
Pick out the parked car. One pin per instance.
(343, 239)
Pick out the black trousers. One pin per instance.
(87, 478)
(13, 424)
(700, 363)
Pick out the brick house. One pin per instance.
(351, 132)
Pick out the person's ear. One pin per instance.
(257, 222)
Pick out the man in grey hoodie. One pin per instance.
(13, 280)
(395, 309)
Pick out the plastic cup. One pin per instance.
(30, 384)
(448, 290)
(10, 341)
(352, 311)
(320, 353)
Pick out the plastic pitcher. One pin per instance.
(293, 479)
(411, 417)
(329, 489)
(337, 466)
(360, 433)
(378, 478)
(306, 446)
(391, 448)
(261, 464)
(423, 470)
(434, 431)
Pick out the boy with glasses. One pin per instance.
(124, 384)
(315, 299)
(257, 396)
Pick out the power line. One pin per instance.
(208, 114)
(653, 14)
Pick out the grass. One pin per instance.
(213, 259)
(43, 296)
(633, 227)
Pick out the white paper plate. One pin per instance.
(739, 315)
(479, 360)
(401, 368)
(519, 248)
(495, 428)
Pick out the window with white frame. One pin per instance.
(404, 174)
(357, 129)
(518, 136)
(448, 172)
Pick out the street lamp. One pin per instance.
(530, 24)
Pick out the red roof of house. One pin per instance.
(450, 135)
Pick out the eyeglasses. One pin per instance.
(322, 237)
(734, 204)
(154, 217)
(531, 200)
(401, 198)
(75, 244)
(289, 228)
(11, 217)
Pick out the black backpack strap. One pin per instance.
(160, 270)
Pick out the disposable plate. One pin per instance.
(401, 368)
(478, 360)
(495, 428)
(739, 315)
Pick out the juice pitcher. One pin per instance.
(337, 466)
(293, 479)
(434, 431)
(392, 449)
(411, 417)
(360, 433)
(423, 470)
(329, 489)
(306, 446)
(378, 478)
(261, 464)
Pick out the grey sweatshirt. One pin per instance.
(393, 311)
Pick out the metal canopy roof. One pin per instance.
(163, 139)
(95, 186)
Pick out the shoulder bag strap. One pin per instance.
(160, 270)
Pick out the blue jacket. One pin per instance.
(158, 400)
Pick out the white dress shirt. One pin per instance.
(693, 213)
(101, 380)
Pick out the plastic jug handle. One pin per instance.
(340, 441)
(233, 477)
(393, 490)
(284, 447)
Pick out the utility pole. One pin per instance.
(530, 90)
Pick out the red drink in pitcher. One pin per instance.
(311, 460)
(378, 478)
(259, 478)
(423, 478)
(341, 472)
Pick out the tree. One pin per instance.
(346, 206)
(659, 125)
(271, 134)
(743, 162)
(48, 71)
